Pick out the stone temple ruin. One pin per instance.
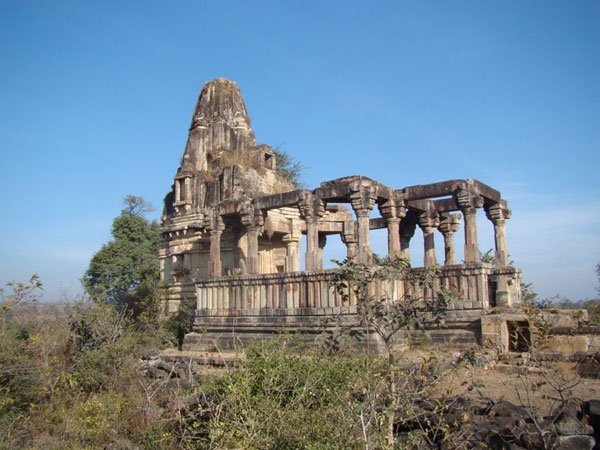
(232, 226)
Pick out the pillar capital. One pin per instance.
(468, 200)
(213, 222)
(252, 218)
(449, 223)
(349, 237)
(428, 222)
(349, 234)
(291, 237)
(498, 212)
(322, 240)
(407, 229)
(311, 208)
(392, 209)
(362, 198)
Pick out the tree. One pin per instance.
(389, 315)
(288, 167)
(125, 271)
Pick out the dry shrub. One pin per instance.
(70, 378)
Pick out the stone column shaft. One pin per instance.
(214, 267)
(500, 243)
(311, 210)
(252, 244)
(177, 191)
(499, 213)
(322, 242)
(393, 226)
(349, 238)
(471, 241)
(214, 224)
(253, 220)
(364, 240)
(428, 224)
(187, 190)
(449, 225)
(393, 210)
(312, 245)
(407, 231)
(292, 259)
(429, 259)
(469, 201)
(362, 200)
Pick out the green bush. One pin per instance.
(285, 397)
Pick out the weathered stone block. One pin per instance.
(575, 443)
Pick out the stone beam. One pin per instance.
(275, 201)
(445, 205)
(425, 191)
(486, 191)
(420, 205)
(377, 223)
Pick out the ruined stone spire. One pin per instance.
(220, 123)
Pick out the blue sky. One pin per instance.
(97, 98)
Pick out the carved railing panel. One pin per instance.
(300, 293)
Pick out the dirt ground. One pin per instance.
(519, 379)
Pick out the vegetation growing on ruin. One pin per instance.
(288, 167)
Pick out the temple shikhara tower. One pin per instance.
(232, 226)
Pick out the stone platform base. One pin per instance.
(234, 333)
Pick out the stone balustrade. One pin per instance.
(311, 293)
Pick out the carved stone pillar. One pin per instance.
(322, 242)
(449, 224)
(499, 213)
(407, 231)
(350, 238)
(428, 222)
(252, 233)
(393, 211)
(253, 220)
(469, 202)
(214, 224)
(187, 189)
(363, 199)
(177, 191)
(311, 210)
(292, 259)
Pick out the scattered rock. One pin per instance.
(575, 443)
(567, 425)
